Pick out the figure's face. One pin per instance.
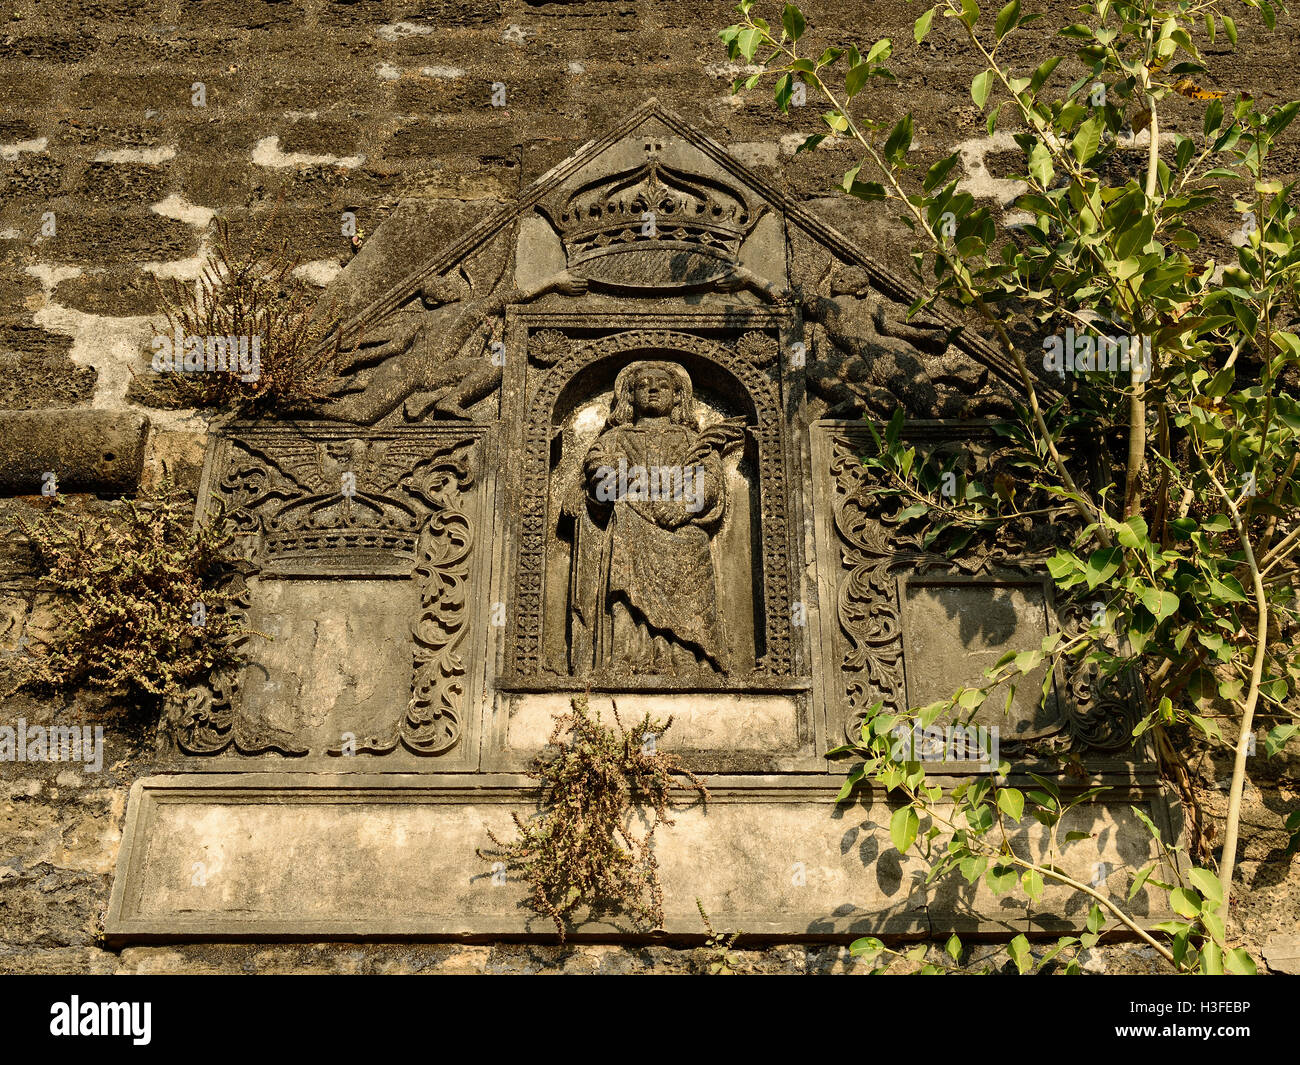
(652, 393)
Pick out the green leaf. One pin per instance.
(1213, 117)
(870, 191)
(979, 88)
(1006, 20)
(1214, 925)
(1062, 564)
(972, 868)
(1239, 962)
(1044, 71)
(900, 139)
(829, 56)
(1161, 603)
(781, 92)
(1133, 533)
(1032, 882)
(1087, 139)
(953, 948)
(992, 123)
(1277, 738)
(903, 827)
(793, 22)
(1185, 902)
(1228, 589)
(1207, 884)
(880, 51)
(1140, 880)
(1040, 165)
(1001, 878)
(1018, 948)
(1102, 565)
(1027, 661)
(1231, 27)
(856, 78)
(935, 175)
(1012, 803)
(867, 947)
(922, 26)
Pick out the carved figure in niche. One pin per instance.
(881, 361)
(643, 584)
(422, 354)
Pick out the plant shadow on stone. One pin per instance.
(580, 847)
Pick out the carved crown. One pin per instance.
(679, 227)
(359, 529)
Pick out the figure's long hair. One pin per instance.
(683, 411)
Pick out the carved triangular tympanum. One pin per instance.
(656, 209)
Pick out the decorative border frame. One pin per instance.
(860, 564)
(703, 335)
(436, 467)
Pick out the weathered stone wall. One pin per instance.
(318, 107)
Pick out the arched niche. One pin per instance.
(566, 412)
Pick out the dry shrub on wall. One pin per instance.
(284, 347)
(580, 848)
(140, 606)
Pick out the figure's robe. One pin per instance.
(652, 557)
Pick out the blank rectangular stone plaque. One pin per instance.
(229, 856)
(339, 659)
(953, 629)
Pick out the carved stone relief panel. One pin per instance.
(654, 538)
(910, 623)
(654, 519)
(359, 561)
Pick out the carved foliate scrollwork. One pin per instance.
(878, 542)
(1100, 708)
(304, 503)
(433, 721)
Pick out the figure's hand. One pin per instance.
(568, 284)
(732, 281)
(740, 277)
(670, 514)
(601, 487)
